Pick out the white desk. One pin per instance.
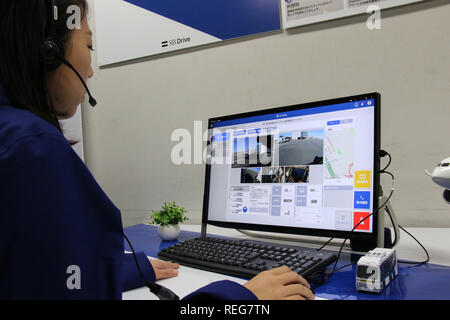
(435, 240)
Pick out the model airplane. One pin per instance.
(441, 176)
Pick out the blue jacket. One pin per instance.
(60, 235)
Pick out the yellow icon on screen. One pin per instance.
(362, 179)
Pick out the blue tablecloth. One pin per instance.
(424, 282)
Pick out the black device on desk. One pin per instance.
(309, 169)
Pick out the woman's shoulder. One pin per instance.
(17, 124)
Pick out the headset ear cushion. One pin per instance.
(52, 53)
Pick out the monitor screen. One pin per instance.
(304, 169)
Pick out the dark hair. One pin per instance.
(24, 27)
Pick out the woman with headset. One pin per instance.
(60, 235)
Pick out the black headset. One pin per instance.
(53, 50)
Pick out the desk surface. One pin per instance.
(430, 281)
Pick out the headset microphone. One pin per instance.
(53, 50)
(92, 101)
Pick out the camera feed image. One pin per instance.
(251, 175)
(299, 147)
(298, 174)
(273, 175)
(253, 151)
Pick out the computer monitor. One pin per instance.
(309, 169)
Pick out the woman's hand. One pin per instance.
(280, 284)
(164, 269)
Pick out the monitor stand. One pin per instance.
(203, 231)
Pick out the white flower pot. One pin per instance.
(169, 233)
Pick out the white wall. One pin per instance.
(127, 136)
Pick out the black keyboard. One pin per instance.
(246, 258)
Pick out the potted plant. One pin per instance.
(167, 219)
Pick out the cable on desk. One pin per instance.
(325, 244)
(326, 274)
(395, 231)
(426, 252)
(321, 277)
(382, 153)
(375, 211)
(161, 292)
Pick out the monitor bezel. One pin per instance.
(365, 236)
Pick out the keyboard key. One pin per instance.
(261, 268)
(299, 270)
(252, 255)
(307, 264)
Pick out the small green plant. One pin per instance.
(170, 214)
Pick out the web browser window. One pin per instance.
(307, 168)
